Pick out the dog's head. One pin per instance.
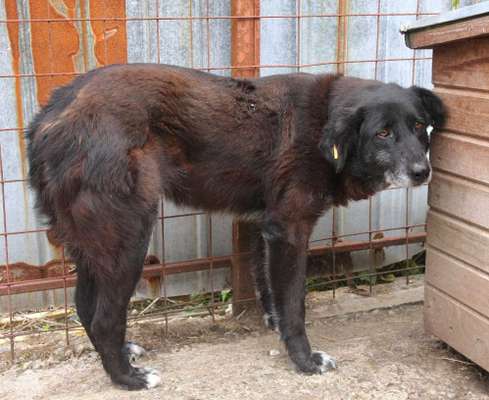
(379, 133)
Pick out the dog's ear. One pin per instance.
(339, 136)
(432, 105)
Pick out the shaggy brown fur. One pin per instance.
(106, 146)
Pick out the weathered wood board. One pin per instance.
(457, 274)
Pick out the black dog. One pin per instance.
(282, 149)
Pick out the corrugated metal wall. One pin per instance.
(196, 43)
(67, 47)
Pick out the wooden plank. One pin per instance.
(342, 36)
(437, 35)
(242, 279)
(245, 38)
(457, 325)
(462, 64)
(468, 111)
(245, 51)
(467, 200)
(464, 283)
(453, 16)
(461, 155)
(459, 239)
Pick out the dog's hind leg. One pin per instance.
(85, 296)
(108, 326)
(86, 301)
(109, 241)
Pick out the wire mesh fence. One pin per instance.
(47, 43)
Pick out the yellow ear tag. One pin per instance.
(335, 152)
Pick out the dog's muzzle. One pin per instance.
(420, 173)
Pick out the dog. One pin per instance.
(280, 149)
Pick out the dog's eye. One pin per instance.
(384, 133)
(418, 125)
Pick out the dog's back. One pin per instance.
(200, 139)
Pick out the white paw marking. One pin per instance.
(266, 321)
(327, 362)
(152, 378)
(133, 348)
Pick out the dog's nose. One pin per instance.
(420, 173)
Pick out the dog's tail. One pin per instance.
(45, 152)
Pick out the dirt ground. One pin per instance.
(382, 354)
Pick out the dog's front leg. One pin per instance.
(285, 266)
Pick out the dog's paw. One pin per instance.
(269, 322)
(137, 378)
(324, 361)
(318, 363)
(150, 376)
(133, 351)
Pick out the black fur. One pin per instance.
(106, 146)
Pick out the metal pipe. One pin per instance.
(153, 271)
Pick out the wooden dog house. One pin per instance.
(457, 274)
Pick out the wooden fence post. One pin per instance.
(245, 51)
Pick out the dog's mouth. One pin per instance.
(396, 180)
(392, 180)
(413, 175)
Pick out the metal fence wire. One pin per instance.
(45, 44)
